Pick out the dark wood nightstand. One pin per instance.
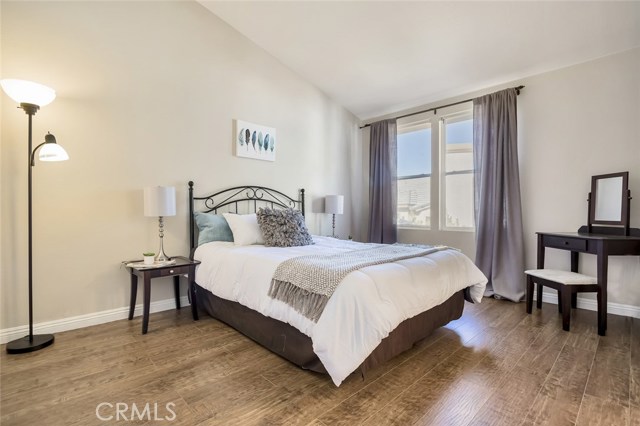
(182, 266)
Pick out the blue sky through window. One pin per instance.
(414, 148)
(414, 152)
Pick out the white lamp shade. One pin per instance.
(52, 152)
(28, 92)
(334, 204)
(160, 201)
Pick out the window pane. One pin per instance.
(458, 170)
(414, 177)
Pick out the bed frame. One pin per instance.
(252, 197)
(281, 338)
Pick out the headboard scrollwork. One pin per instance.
(250, 197)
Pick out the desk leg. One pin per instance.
(147, 302)
(134, 294)
(603, 266)
(575, 259)
(192, 293)
(176, 289)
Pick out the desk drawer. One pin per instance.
(565, 243)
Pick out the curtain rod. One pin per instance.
(518, 88)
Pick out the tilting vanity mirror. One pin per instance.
(609, 201)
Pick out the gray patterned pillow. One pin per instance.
(283, 228)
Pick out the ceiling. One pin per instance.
(376, 57)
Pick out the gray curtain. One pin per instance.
(498, 210)
(383, 188)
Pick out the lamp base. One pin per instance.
(24, 345)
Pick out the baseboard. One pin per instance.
(592, 305)
(80, 321)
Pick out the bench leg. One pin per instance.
(566, 308)
(560, 302)
(539, 291)
(529, 294)
(574, 300)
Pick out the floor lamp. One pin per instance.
(31, 96)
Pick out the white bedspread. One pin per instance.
(365, 307)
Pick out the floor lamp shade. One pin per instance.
(334, 204)
(160, 201)
(51, 151)
(28, 92)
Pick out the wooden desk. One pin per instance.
(601, 244)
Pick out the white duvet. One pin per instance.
(365, 307)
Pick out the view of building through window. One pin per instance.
(414, 177)
(457, 182)
(452, 135)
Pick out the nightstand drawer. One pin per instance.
(575, 244)
(167, 272)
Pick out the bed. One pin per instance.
(376, 312)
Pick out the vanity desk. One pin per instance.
(601, 242)
(608, 233)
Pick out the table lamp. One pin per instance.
(334, 204)
(160, 201)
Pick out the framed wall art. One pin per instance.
(255, 141)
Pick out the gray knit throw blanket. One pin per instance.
(307, 282)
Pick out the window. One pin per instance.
(457, 172)
(414, 175)
(435, 170)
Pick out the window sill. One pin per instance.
(418, 228)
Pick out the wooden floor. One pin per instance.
(494, 366)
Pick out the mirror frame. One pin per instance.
(593, 198)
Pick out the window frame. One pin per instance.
(408, 127)
(442, 204)
(438, 172)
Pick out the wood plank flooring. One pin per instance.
(494, 366)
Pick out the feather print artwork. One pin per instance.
(241, 137)
(254, 140)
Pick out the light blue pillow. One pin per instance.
(212, 227)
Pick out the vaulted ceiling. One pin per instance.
(378, 57)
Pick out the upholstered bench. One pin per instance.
(567, 283)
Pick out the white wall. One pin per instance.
(573, 123)
(147, 92)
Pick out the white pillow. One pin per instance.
(245, 228)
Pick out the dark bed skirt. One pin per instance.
(286, 341)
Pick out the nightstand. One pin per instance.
(182, 266)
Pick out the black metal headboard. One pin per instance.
(253, 197)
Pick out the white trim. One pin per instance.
(592, 305)
(81, 321)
